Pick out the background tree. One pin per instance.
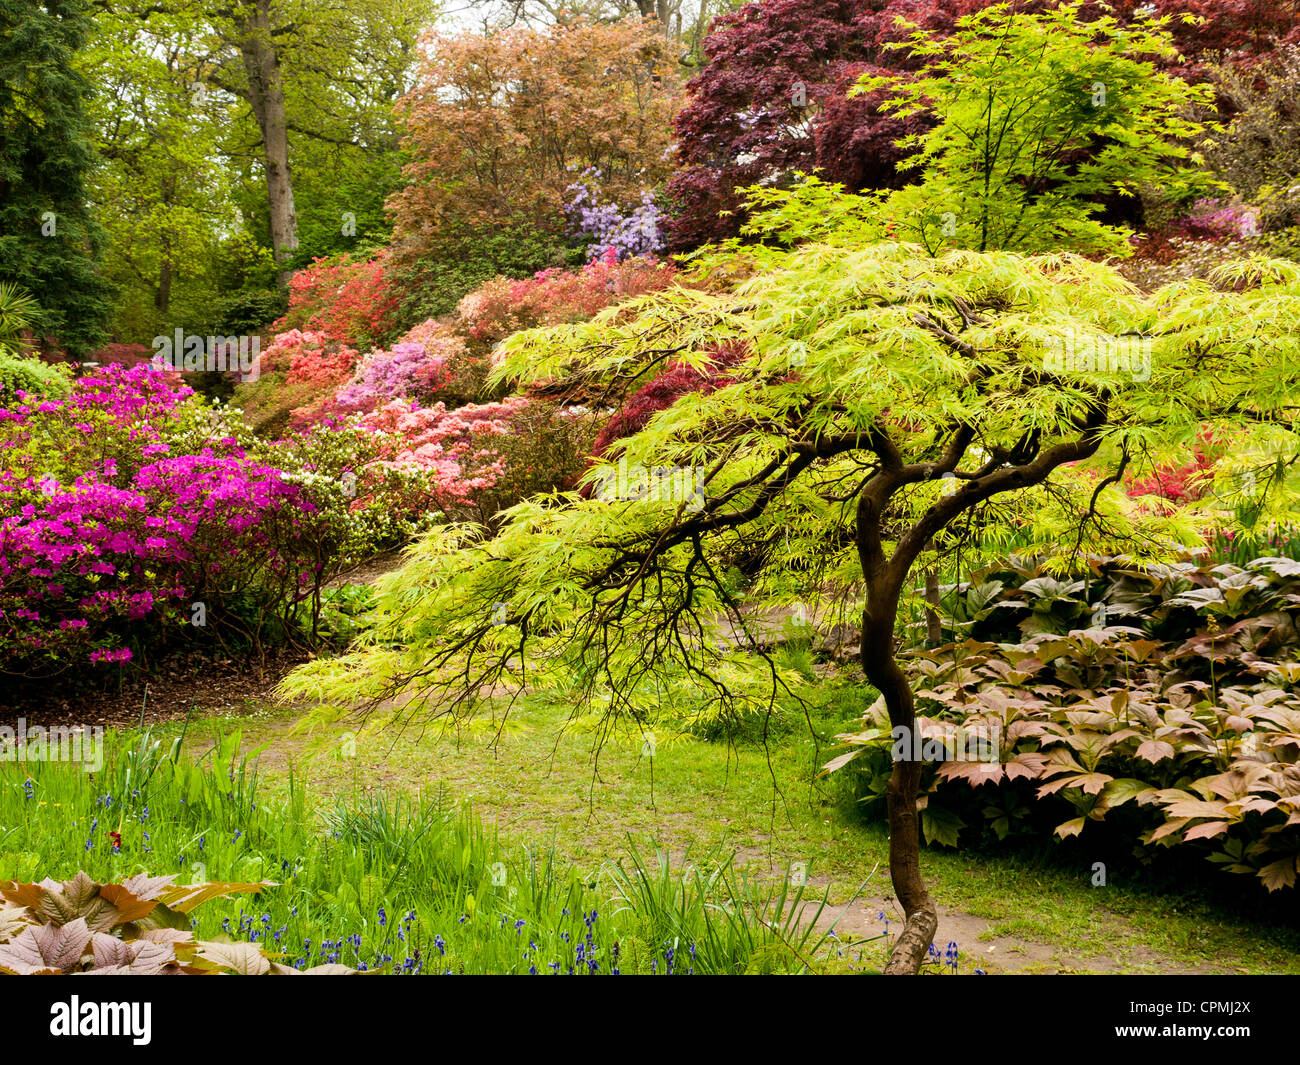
(684, 21)
(164, 180)
(49, 241)
(341, 67)
(1067, 114)
(190, 198)
(772, 100)
(501, 124)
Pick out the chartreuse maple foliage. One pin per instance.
(887, 398)
(1067, 112)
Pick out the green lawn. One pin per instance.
(541, 782)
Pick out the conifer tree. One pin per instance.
(49, 241)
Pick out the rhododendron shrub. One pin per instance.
(130, 502)
(308, 357)
(603, 228)
(414, 370)
(464, 371)
(481, 457)
(456, 447)
(553, 297)
(345, 301)
(88, 568)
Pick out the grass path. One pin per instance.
(696, 799)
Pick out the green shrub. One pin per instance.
(245, 312)
(431, 287)
(36, 378)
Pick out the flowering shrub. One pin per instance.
(409, 370)
(1208, 236)
(1214, 220)
(464, 371)
(455, 446)
(608, 230)
(551, 297)
(342, 300)
(131, 501)
(481, 457)
(297, 376)
(307, 357)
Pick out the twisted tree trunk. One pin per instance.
(921, 916)
(884, 579)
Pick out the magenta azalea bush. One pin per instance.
(137, 516)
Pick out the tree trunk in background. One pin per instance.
(660, 9)
(266, 97)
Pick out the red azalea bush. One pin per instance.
(1185, 482)
(551, 297)
(298, 374)
(342, 300)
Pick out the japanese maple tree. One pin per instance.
(500, 124)
(773, 97)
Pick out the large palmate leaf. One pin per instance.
(13, 919)
(243, 958)
(114, 956)
(47, 948)
(121, 929)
